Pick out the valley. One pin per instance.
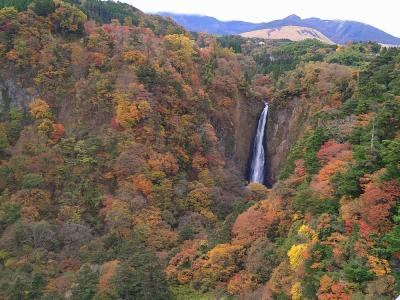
(141, 160)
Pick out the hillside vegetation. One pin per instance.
(119, 169)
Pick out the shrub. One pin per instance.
(31, 180)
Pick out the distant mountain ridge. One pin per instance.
(340, 32)
(198, 23)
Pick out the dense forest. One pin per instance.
(120, 175)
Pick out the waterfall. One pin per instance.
(257, 169)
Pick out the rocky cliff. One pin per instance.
(13, 94)
(245, 118)
(292, 108)
(283, 129)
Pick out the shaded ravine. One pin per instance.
(258, 163)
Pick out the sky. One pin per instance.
(383, 14)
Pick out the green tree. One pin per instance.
(18, 4)
(392, 240)
(37, 284)
(18, 289)
(127, 283)
(4, 143)
(347, 183)
(391, 157)
(141, 275)
(356, 271)
(32, 180)
(69, 19)
(43, 7)
(85, 286)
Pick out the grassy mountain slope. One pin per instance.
(293, 33)
(341, 32)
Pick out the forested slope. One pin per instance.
(123, 148)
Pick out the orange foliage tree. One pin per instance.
(143, 184)
(221, 263)
(163, 162)
(107, 271)
(252, 224)
(180, 266)
(376, 203)
(241, 283)
(330, 290)
(157, 233)
(39, 109)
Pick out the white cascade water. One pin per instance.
(257, 169)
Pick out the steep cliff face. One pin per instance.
(13, 94)
(292, 107)
(244, 116)
(287, 121)
(245, 119)
(284, 127)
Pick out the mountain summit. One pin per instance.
(292, 18)
(340, 32)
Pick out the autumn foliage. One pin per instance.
(123, 148)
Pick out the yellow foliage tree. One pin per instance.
(198, 199)
(256, 191)
(144, 108)
(134, 56)
(379, 266)
(295, 291)
(180, 50)
(127, 114)
(296, 254)
(39, 109)
(308, 232)
(222, 262)
(45, 127)
(206, 178)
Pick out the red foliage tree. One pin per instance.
(331, 149)
(376, 203)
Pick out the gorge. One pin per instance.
(140, 161)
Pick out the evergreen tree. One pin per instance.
(85, 286)
(44, 7)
